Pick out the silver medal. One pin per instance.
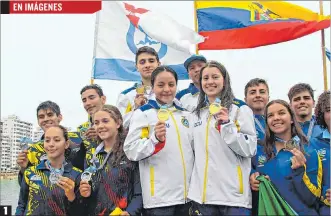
(24, 143)
(86, 176)
(54, 177)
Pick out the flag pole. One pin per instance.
(323, 51)
(95, 46)
(196, 24)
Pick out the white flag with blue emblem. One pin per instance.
(120, 31)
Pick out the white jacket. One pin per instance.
(188, 97)
(223, 159)
(125, 103)
(165, 168)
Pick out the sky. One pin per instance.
(49, 57)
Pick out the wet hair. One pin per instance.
(67, 151)
(255, 82)
(298, 88)
(322, 106)
(118, 151)
(49, 105)
(296, 130)
(226, 95)
(161, 69)
(96, 87)
(148, 50)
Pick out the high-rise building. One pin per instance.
(13, 130)
(37, 133)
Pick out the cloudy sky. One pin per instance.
(49, 57)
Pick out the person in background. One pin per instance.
(301, 97)
(115, 180)
(321, 143)
(257, 97)
(136, 96)
(224, 142)
(189, 97)
(50, 188)
(286, 160)
(160, 139)
(93, 99)
(49, 115)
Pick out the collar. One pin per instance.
(155, 105)
(259, 117)
(193, 89)
(307, 122)
(326, 134)
(42, 166)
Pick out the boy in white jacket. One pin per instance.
(162, 147)
(134, 97)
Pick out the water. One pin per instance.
(9, 191)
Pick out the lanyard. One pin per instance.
(95, 159)
(259, 125)
(54, 170)
(310, 129)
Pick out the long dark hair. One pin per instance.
(226, 95)
(118, 152)
(270, 136)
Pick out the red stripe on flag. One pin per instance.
(54, 7)
(259, 35)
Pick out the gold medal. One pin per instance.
(163, 114)
(140, 89)
(215, 107)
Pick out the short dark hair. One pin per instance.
(160, 69)
(256, 82)
(96, 87)
(298, 88)
(322, 106)
(146, 49)
(49, 105)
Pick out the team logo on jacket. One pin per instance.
(185, 121)
(196, 124)
(36, 178)
(261, 160)
(321, 153)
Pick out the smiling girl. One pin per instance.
(50, 187)
(224, 142)
(115, 180)
(295, 171)
(159, 138)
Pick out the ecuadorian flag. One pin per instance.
(248, 24)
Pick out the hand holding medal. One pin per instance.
(220, 113)
(68, 186)
(160, 127)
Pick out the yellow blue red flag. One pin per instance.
(248, 24)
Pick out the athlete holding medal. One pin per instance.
(224, 141)
(110, 180)
(159, 138)
(52, 184)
